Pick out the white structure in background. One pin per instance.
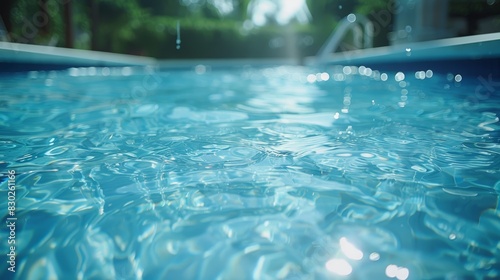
(281, 11)
(224, 7)
(420, 20)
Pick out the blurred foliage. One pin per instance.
(120, 26)
(149, 27)
(369, 6)
(81, 26)
(36, 22)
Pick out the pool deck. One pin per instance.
(16, 57)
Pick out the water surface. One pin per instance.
(252, 173)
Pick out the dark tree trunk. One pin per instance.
(94, 23)
(68, 24)
(5, 7)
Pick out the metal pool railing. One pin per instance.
(361, 27)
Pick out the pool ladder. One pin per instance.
(361, 27)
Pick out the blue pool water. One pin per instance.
(251, 173)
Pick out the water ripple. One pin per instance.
(283, 172)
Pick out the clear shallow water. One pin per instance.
(252, 173)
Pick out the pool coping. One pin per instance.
(470, 51)
(24, 57)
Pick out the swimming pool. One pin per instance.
(285, 172)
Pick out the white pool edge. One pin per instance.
(15, 53)
(469, 47)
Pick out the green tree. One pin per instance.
(36, 22)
